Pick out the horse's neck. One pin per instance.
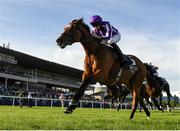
(90, 46)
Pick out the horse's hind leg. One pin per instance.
(168, 106)
(169, 99)
(135, 95)
(122, 101)
(147, 100)
(118, 107)
(145, 108)
(160, 99)
(112, 101)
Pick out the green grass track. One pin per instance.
(46, 118)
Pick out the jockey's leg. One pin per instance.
(74, 102)
(124, 60)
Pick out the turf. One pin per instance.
(46, 118)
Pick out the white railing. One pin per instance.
(14, 100)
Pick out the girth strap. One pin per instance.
(132, 68)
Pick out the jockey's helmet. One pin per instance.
(95, 20)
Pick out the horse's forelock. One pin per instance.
(83, 24)
(67, 26)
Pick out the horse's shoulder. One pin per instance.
(106, 50)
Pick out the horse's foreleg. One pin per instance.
(125, 93)
(82, 89)
(119, 104)
(74, 102)
(156, 104)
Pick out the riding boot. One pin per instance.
(124, 61)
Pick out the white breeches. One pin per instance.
(114, 39)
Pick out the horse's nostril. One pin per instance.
(57, 40)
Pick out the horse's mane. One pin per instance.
(149, 68)
(86, 27)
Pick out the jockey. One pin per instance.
(108, 35)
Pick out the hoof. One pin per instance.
(131, 119)
(169, 110)
(162, 110)
(148, 118)
(148, 114)
(68, 111)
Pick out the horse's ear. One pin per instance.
(80, 21)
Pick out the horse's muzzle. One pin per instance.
(61, 45)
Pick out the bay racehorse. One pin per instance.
(101, 64)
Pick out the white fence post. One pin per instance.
(80, 104)
(35, 102)
(51, 103)
(13, 101)
(100, 104)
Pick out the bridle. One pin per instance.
(69, 37)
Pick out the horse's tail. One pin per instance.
(150, 80)
(168, 90)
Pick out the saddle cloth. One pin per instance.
(131, 66)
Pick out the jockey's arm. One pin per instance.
(95, 35)
(108, 34)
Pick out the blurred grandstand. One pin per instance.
(22, 73)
